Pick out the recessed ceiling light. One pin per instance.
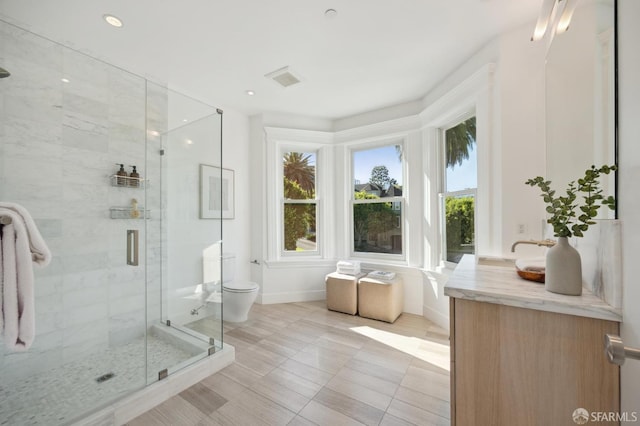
(184, 120)
(113, 20)
(189, 142)
(65, 80)
(250, 92)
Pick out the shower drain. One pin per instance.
(105, 377)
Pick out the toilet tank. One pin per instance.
(228, 267)
(211, 265)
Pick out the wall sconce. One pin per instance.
(555, 15)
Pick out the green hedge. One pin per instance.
(297, 217)
(460, 224)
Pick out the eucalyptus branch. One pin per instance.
(562, 209)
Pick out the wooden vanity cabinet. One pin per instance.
(517, 366)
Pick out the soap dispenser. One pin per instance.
(121, 180)
(135, 177)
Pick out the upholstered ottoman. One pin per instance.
(380, 299)
(342, 292)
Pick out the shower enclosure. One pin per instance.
(133, 291)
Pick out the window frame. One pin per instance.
(352, 201)
(299, 148)
(443, 193)
(276, 141)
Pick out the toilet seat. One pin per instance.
(240, 287)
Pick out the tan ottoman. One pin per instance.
(381, 300)
(342, 292)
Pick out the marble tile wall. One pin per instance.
(59, 142)
(601, 255)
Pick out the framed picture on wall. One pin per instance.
(216, 193)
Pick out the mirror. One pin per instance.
(580, 98)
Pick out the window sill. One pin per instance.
(300, 263)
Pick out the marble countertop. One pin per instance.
(503, 286)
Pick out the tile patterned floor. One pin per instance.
(299, 364)
(60, 394)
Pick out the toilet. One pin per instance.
(237, 296)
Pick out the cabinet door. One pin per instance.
(477, 360)
(528, 367)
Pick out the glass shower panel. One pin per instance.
(66, 120)
(181, 306)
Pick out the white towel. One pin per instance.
(20, 245)
(39, 250)
(382, 275)
(17, 287)
(348, 267)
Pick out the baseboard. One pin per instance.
(293, 296)
(436, 317)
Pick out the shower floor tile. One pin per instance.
(60, 395)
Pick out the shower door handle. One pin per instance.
(132, 247)
(616, 351)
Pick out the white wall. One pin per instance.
(257, 200)
(629, 201)
(521, 138)
(236, 233)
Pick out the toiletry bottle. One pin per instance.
(121, 180)
(135, 213)
(135, 177)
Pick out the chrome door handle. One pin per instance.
(132, 247)
(616, 351)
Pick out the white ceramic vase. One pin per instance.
(563, 273)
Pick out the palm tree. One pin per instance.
(297, 169)
(459, 141)
(399, 152)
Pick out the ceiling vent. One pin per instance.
(284, 77)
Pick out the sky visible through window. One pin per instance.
(458, 178)
(464, 176)
(365, 161)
